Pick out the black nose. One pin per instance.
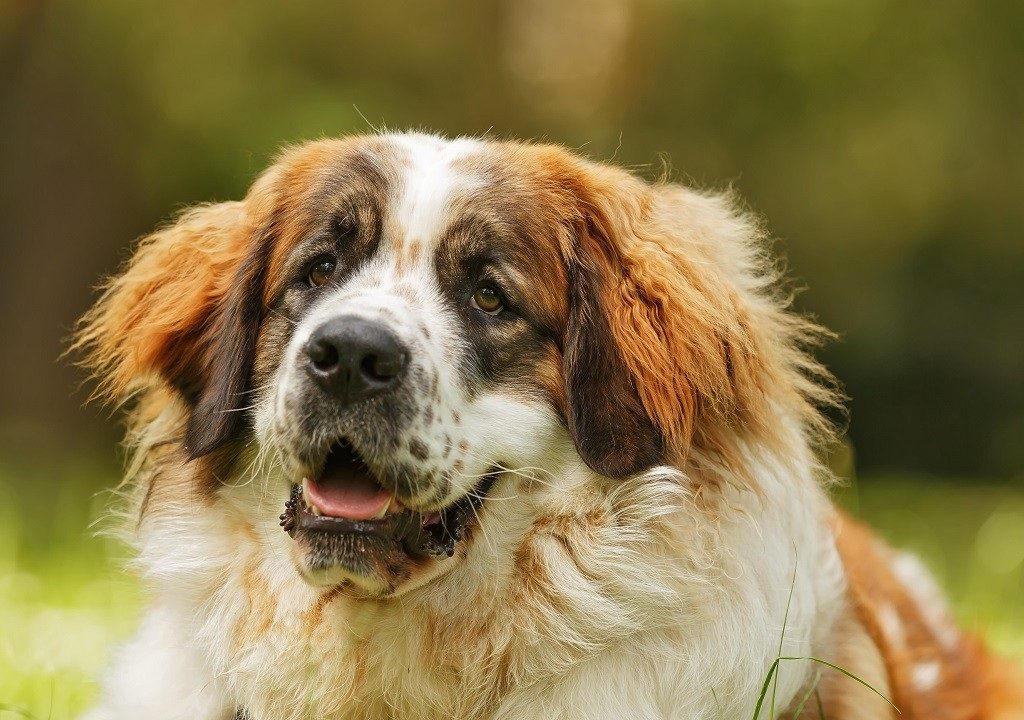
(352, 358)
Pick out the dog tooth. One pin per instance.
(383, 510)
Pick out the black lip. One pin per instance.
(395, 525)
(407, 528)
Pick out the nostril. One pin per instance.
(324, 356)
(382, 367)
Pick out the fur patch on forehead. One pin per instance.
(312, 183)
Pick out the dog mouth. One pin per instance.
(345, 498)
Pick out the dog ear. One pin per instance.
(185, 312)
(607, 420)
(663, 350)
(229, 349)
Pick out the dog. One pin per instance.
(428, 428)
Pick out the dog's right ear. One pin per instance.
(151, 322)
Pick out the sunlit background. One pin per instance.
(883, 142)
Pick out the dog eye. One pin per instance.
(488, 299)
(321, 272)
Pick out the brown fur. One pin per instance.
(971, 684)
(150, 317)
(704, 359)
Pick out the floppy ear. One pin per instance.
(661, 351)
(186, 313)
(607, 420)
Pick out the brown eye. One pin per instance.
(488, 299)
(320, 274)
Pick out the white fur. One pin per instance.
(161, 673)
(646, 598)
(921, 586)
(926, 676)
(645, 629)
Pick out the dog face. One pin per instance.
(411, 353)
(398, 320)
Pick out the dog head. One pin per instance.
(397, 320)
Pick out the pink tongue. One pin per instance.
(352, 497)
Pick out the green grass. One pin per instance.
(65, 601)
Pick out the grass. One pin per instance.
(65, 602)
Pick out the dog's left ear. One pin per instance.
(659, 350)
(612, 430)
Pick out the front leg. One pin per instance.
(159, 675)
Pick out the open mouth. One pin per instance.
(345, 498)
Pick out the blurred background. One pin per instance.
(883, 142)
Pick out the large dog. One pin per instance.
(540, 436)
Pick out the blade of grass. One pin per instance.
(785, 624)
(5, 707)
(845, 672)
(764, 688)
(772, 671)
